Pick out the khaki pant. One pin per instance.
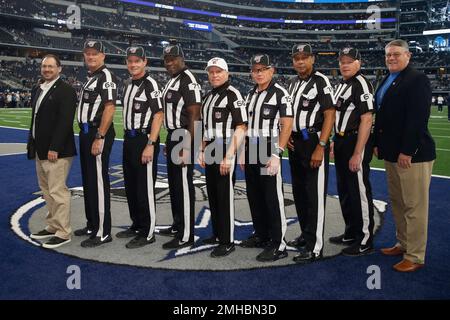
(409, 193)
(52, 178)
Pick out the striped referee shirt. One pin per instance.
(353, 98)
(265, 108)
(181, 91)
(223, 109)
(141, 101)
(100, 88)
(310, 97)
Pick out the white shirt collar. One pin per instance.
(47, 85)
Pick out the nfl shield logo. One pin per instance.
(86, 95)
(266, 111)
(218, 115)
(169, 95)
(305, 103)
(137, 106)
(339, 103)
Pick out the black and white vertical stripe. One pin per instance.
(180, 92)
(141, 100)
(310, 97)
(353, 98)
(265, 108)
(222, 110)
(99, 88)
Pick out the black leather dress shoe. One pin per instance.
(298, 242)
(307, 256)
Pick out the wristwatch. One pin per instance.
(150, 142)
(99, 136)
(323, 144)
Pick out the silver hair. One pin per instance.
(398, 43)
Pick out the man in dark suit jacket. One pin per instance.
(51, 142)
(402, 139)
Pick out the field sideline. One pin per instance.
(439, 127)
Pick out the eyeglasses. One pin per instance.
(260, 70)
(394, 55)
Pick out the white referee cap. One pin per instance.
(217, 62)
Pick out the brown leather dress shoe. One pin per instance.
(407, 266)
(394, 251)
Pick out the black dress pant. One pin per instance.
(266, 201)
(182, 192)
(309, 187)
(221, 200)
(96, 186)
(140, 182)
(354, 189)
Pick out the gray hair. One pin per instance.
(398, 43)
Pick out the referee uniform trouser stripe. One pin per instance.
(364, 205)
(100, 195)
(283, 222)
(231, 201)
(186, 204)
(151, 197)
(320, 209)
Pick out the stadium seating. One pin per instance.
(120, 24)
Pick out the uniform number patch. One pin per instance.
(366, 97)
(194, 86)
(109, 85)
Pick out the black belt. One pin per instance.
(84, 127)
(134, 132)
(296, 134)
(346, 133)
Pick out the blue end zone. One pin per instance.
(29, 272)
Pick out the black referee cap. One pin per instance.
(94, 44)
(136, 51)
(350, 52)
(173, 50)
(302, 48)
(260, 59)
